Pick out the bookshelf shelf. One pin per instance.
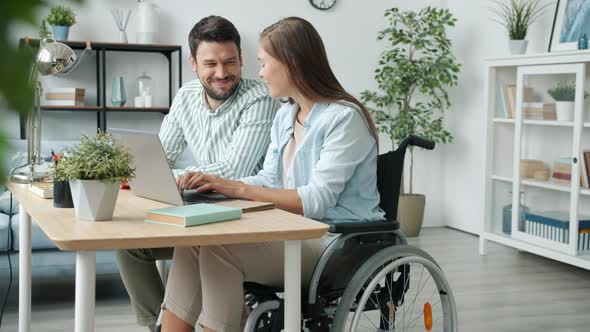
(540, 184)
(503, 120)
(548, 123)
(101, 49)
(514, 85)
(538, 122)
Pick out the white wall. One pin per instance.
(476, 37)
(450, 176)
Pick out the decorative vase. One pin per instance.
(410, 213)
(565, 110)
(62, 195)
(94, 200)
(60, 32)
(518, 46)
(118, 97)
(123, 37)
(147, 22)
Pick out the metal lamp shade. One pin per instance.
(54, 58)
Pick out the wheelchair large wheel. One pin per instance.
(400, 288)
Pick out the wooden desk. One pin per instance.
(128, 230)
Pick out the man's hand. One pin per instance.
(207, 182)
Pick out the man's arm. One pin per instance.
(249, 141)
(171, 134)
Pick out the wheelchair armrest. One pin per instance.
(364, 227)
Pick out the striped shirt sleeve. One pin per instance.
(171, 134)
(249, 141)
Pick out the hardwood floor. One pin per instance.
(506, 290)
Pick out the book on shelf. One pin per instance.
(42, 189)
(538, 111)
(64, 97)
(562, 172)
(193, 215)
(509, 98)
(585, 170)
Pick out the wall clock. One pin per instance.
(322, 4)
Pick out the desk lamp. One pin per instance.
(53, 58)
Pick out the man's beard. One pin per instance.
(223, 95)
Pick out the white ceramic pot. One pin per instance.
(565, 110)
(94, 200)
(147, 22)
(517, 46)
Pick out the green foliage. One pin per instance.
(563, 91)
(517, 15)
(417, 63)
(96, 158)
(43, 31)
(61, 15)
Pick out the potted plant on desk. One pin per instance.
(95, 169)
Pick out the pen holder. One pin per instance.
(62, 196)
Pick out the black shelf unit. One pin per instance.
(101, 49)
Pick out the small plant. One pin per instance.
(96, 158)
(517, 15)
(61, 16)
(564, 91)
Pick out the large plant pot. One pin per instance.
(518, 46)
(94, 200)
(410, 213)
(565, 110)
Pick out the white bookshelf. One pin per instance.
(510, 140)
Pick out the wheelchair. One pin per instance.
(368, 278)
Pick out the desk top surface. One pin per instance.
(128, 229)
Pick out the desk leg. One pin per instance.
(292, 286)
(24, 275)
(85, 291)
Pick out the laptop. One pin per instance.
(153, 177)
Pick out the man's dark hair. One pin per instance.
(213, 29)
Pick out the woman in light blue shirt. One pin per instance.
(321, 163)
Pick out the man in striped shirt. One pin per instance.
(224, 120)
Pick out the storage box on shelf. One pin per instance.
(532, 158)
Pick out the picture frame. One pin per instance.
(571, 19)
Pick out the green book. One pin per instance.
(192, 215)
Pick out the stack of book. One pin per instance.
(539, 111)
(64, 97)
(528, 167)
(562, 171)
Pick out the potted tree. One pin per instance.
(95, 169)
(564, 93)
(516, 16)
(413, 74)
(61, 18)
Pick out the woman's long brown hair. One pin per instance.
(295, 43)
